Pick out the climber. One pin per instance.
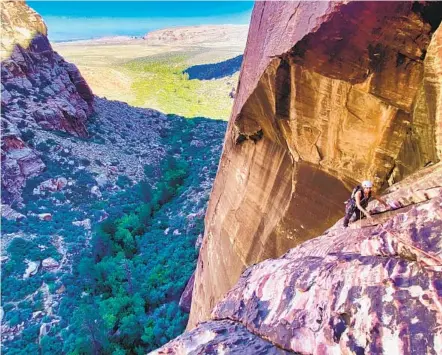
(358, 202)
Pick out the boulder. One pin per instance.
(86, 223)
(19, 163)
(45, 216)
(55, 184)
(102, 180)
(50, 264)
(96, 191)
(11, 214)
(32, 269)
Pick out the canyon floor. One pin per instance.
(151, 170)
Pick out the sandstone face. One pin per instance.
(372, 288)
(433, 83)
(38, 89)
(375, 289)
(329, 94)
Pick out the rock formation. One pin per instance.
(330, 94)
(186, 296)
(372, 288)
(38, 90)
(197, 35)
(220, 337)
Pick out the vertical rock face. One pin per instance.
(329, 94)
(38, 89)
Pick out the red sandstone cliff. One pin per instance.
(329, 94)
(38, 90)
(373, 288)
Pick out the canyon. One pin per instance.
(103, 203)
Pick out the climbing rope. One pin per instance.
(431, 256)
(437, 259)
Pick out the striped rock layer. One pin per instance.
(372, 288)
(330, 94)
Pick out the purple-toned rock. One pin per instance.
(50, 263)
(219, 337)
(53, 185)
(38, 88)
(38, 82)
(186, 296)
(373, 288)
(18, 162)
(10, 214)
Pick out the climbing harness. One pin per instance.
(350, 204)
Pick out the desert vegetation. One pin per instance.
(187, 80)
(104, 273)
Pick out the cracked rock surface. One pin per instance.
(330, 94)
(220, 337)
(373, 288)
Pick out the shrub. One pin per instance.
(43, 147)
(85, 162)
(145, 191)
(123, 181)
(27, 136)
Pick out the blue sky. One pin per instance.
(71, 20)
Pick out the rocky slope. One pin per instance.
(374, 288)
(330, 94)
(71, 163)
(87, 181)
(38, 89)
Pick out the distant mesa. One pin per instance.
(100, 40)
(210, 34)
(215, 70)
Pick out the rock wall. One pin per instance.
(372, 288)
(329, 94)
(39, 90)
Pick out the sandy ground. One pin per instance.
(102, 61)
